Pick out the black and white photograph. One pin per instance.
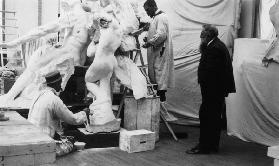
(139, 83)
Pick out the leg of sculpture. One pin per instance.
(24, 79)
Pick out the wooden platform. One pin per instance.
(24, 144)
(98, 140)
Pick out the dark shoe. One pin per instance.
(198, 150)
(214, 150)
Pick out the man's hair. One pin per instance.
(150, 3)
(211, 30)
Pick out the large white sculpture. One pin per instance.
(272, 53)
(104, 65)
(108, 34)
(75, 22)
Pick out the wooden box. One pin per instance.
(23, 144)
(273, 152)
(136, 140)
(142, 114)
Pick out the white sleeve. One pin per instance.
(63, 113)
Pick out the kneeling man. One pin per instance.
(47, 109)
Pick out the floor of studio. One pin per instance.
(233, 152)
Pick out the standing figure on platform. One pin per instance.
(159, 50)
(99, 73)
(46, 59)
(215, 76)
(47, 109)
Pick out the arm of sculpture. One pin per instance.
(37, 33)
(63, 113)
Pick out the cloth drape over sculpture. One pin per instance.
(253, 110)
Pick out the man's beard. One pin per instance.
(203, 46)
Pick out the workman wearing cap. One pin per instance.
(47, 109)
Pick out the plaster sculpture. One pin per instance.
(124, 12)
(75, 22)
(272, 51)
(100, 71)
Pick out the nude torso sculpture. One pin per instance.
(100, 71)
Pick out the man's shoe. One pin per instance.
(215, 150)
(197, 150)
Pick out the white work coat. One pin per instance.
(47, 110)
(160, 54)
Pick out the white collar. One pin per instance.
(157, 11)
(210, 41)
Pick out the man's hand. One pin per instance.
(145, 39)
(146, 45)
(144, 26)
(87, 111)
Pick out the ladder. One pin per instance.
(149, 84)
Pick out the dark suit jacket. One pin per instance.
(215, 69)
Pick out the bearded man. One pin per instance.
(215, 76)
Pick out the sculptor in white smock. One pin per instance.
(47, 109)
(159, 48)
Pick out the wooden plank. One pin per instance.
(143, 117)
(130, 113)
(23, 138)
(20, 134)
(44, 158)
(23, 160)
(155, 113)
(28, 159)
(142, 114)
(40, 147)
(15, 119)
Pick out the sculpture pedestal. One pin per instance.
(111, 126)
(99, 140)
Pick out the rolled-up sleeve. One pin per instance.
(63, 113)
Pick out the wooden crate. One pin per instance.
(24, 144)
(136, 140)
(142, 114)
(273, 152)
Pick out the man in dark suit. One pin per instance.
(215, 76)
